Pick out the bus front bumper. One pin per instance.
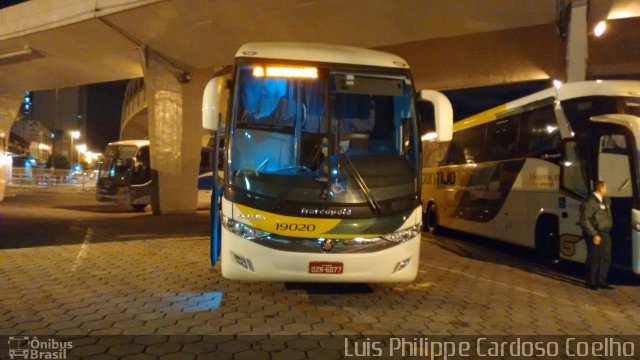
(120, 198)
(245, 260)
(120, 195)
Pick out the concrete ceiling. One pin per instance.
(81, 41)
(77, 42)
(202, 34)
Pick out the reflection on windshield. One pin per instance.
(580, 110)
(117, 161)
(289, 137)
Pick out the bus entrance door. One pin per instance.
(614, 167)
(140, 180)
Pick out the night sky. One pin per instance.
(470, 101)
(467, 102)
(104, 108)
(7, 3)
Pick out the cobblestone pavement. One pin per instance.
(70, 266)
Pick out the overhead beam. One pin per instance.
(47, 15)
(577, 46)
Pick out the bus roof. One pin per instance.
(138, 143)
(565, 92)
(326, 53)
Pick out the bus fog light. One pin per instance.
(636, 226)
(403, 235)
(244, 262)
(401, 265)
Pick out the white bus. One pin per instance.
(5, 165)
(519, 172)
(5, 171)
(125, 175)
(322, 165)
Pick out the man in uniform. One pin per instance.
(596, 223)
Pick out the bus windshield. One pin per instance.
(341, 137)
(579, 110)
(117, 161)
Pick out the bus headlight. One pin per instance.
(403, 235)
(243, 230)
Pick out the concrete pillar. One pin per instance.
(577, 48)
(174, 134)
(9, 106)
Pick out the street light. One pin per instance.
(600, 28)
(43, 148)
(82, 148)
(75, 135)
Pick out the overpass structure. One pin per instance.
(175, 46)
(134, 122)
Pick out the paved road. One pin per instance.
(70, 266)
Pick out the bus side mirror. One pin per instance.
(443, 113)
(211, 102)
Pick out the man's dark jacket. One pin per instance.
(595, 216)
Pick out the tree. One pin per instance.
(58, 161)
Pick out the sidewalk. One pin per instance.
(71, 266)
(62, 216)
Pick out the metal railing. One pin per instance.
(33, 176)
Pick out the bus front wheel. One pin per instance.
(431, 219)
(139, 207)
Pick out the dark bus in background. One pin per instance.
(125, 175)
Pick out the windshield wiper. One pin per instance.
(355, 174)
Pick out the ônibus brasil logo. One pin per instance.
(26, 347)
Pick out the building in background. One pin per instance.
(93, 111)
(31, 138)
(62, 109)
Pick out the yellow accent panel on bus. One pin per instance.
(293, 226)
(479, 119)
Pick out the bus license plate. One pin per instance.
(325, 267)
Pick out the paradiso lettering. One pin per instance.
(544, 179)
(440, 178)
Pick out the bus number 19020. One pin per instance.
(295, 227)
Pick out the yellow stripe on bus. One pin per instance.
(479, 119)
(293, 226)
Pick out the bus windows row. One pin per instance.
(531, 134)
